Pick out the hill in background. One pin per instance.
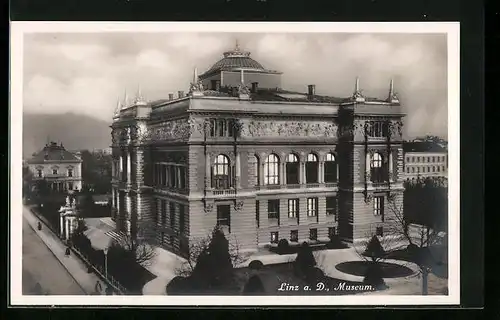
(75, 131)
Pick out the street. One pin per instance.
(42, 271)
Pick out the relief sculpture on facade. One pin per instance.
(326, 129)
(179, 129)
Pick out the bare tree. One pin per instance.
(418, 237)
(143, 251)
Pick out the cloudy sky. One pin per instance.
(87, 73)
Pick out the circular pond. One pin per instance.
(359, 268)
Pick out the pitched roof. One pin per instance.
(53, 152)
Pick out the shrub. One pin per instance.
(283, 245)
(179, 285)
(305, 259)
(214, 266)
(314, 275)
(256, 265)
(374, 249)
(374, 276)
(254, 286)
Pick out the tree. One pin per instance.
(420, 238)
(142, 252)
(304, 261)
(210, 261)
(96, 171)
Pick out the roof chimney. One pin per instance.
(311, 90)
(255, 87)
(181, 94)
(170, 96)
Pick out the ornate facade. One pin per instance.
(264, 164)
(61, 168)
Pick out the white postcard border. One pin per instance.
(18, 29)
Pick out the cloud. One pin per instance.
(88, 72)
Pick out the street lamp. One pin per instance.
(106, 262)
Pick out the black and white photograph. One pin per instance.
(235, 163)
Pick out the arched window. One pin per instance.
(257, 170)
(271, 170)
(221, 173)
(378, 173)
(312, 168)
(292, 169)
(330, 168)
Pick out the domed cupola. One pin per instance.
(226, 72)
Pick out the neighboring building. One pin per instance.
(263, 163)
(425, 159)
(59, 167)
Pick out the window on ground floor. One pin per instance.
(294, 236)
(380, 231)
(182, 218)
(70, 185)
(273, 209)
(223, 215)
(332, 232)
(313, 234)
(172, 214)
(331, 206)
(257, 213)
(293, 208)
(312, 207)
(378, 206)
(274, 237)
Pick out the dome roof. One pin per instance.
(235, 60)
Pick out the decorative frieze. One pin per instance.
(325, 129)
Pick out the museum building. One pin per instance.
(263, 163)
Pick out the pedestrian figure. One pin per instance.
(98, 287)
(68, 251)
(38, 288)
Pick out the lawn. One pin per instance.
(282, 276)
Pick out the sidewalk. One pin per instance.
(74, 265)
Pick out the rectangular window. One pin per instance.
(332, 232)
(39, 173)
(293, 208)
(312, 207)
(163, 212)
(162, 238)
(70, 172)
(273, 209)
(54, 171)
(413, 170)
(331, 206)
(171, 210)
(313, 234)
(182, 177)
(70, 185)
(223, 215)
(172, 240)
(438, 169)
(378, 206)
(380, 231)
(182, 218)
(294, 236)
(257, 213)
(433, 159)
(274, 237)
(407, 170)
